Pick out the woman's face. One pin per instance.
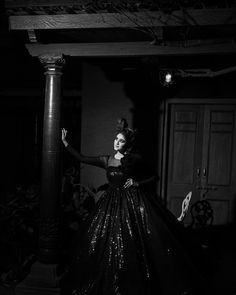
(120, 143)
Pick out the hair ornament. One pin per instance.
(121, 124)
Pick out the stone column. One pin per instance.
(42, 278)
(49, 239)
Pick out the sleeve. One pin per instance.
(99, 161)
(149, 180)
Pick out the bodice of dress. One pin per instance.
(115, 176)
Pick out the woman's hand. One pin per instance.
(63, 137)
(130, 182)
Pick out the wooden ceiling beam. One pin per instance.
(127, 49)
(194, 17)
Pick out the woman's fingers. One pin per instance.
(129, 182)
(126, 184)
(64, 132)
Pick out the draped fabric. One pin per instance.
(130, 245)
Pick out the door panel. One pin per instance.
(220, 153)
(184, 158)
(183, 148)
(221, 161)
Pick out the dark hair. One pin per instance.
(122, 127)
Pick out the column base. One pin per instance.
(41, 280)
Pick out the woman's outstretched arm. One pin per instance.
(100, 161)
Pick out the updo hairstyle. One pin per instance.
(129, 134)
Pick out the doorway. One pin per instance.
(200, 146)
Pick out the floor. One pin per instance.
(219, 249)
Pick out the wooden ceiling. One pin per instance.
(187, 33)
(132, 28)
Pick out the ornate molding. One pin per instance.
(49, 232)
(53, 63)
(49, 240)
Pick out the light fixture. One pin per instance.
(166, 77)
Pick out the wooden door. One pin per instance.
(185, 155)
(219, 161)
(201, 158)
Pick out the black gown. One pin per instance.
(130, 244)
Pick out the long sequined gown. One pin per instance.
(130, 244)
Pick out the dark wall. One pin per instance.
(21, 125)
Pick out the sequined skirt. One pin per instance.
(130, 245)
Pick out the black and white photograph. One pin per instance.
(118, 147)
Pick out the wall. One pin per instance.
(103, 102)
(218, 87)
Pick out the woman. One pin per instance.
(130, 244)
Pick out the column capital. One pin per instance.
(53, 63)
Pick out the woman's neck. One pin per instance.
(118, 155)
